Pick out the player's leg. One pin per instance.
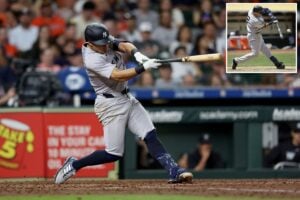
(114, 124)
(139, 123)
(255, 44)
(266, 51)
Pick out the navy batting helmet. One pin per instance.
(96, 33)
(258, 9)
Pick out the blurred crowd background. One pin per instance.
(42, 37)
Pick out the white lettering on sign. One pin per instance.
(53, 142)
(76, 130)
(56, 130)
(54, 163)
(76, 152)
(95, 141)
(73, 141)
(53, 153)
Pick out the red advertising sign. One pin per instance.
(74, 134)
(21, 145)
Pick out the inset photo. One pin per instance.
(261, 38)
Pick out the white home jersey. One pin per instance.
(254, 23)
(99, 68)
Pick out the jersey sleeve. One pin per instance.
(99, 66)
(114, 44)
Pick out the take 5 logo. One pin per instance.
(16, 138)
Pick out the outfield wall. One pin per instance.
(35, 141)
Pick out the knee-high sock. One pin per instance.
(157, 151)
(95, 158)
(274, 60)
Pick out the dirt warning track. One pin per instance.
(264, 188)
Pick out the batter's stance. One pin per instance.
(115, 107)
(255, 23)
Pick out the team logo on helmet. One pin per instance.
(104, 34)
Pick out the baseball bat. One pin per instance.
(196, 58)
(279, 31)
(265, 26)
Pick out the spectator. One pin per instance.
(146, 80)
(131, 34)
(182, 69)
(286, 152)
(9, 50)
(177, 15)
(86, 17)
(73, 78)
(43, 42)
(4, 10)
(47, 61)
(202, 46)
(144, 14)
(68, 48)
(165, 77)
(165, 33)
(24, 35)
(7, 80)
(221, 37)
(48, 18)
(203, 14)
(111, 25)
(65, 8)
(209, 34)
(147, 46)
(189, 80)
(184, 38)
(219, 78)
(203, 157)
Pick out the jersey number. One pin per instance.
(248, 19)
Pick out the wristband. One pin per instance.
(133, 51)
(139, 69)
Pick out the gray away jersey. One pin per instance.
(254, 23)
(99, 68)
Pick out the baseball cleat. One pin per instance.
(66, 171)
(280, 65)
(181, 176)
(234, 64)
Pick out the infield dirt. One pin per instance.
(287, 188)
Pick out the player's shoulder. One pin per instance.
(92, 58)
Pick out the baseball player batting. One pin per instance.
(115, 107)
(255, 24)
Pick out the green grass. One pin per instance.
(288, 58)
(129, 197)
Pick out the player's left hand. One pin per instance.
(140, 58)
(274, 20)
(151, 63)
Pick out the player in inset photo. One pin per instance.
(261, 38)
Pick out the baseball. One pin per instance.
(288, 30)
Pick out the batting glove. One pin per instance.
(140, 58)
(151, 63)
(274, 19)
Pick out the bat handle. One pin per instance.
(169, 60)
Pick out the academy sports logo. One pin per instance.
(16, 138)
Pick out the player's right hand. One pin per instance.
(151, 63)
(140, 58)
